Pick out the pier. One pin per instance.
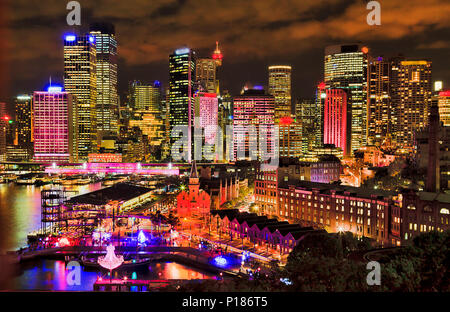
(139, 285)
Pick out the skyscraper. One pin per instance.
(145, 96)
(379, 101)
(206, 75)
(411, 96)
(206, 109)
(289, 137)
(181, 93)
(145, 100)
(254, 108)
(444, 107)
(306, 114)
(336, 126)
(346, 68)
(107, 102)
(206, 71)
(280, 88)
(24, 122)
(3, 121)
(55, 126)
(80, 80)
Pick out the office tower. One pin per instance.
(24, 122)
(379, 104)
(253, 123)
(289, 137)
(444, 107)
(336, 125)
(320, 105)
(206, 110)
(432, 183)
(346, 68)
(280, 88)
(206, 72)
(225, 120)
(55, 126)
(4, 118)
(145, 96)
(181, 94)
(411, 97)
(307, 114)
(107, 102)
(80, 80)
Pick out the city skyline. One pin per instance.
(249, 61)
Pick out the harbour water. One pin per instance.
(20, 211)
(20, 214)
(52, 275)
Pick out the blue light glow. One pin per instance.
(54, 89)
(156, 84)
(258, 88)
(141, 237)
(91, 39)
(70, 38)
(182, 51)
(221, 261)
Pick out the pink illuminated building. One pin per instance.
(55, 126)
(254, 125)
(336, 125)
(206, 110)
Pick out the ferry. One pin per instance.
(26, 179)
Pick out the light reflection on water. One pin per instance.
(20, 211)
(51, 275)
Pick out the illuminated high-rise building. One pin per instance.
(289, 137)
(346, 68)
(336, 125)
(80, 80)
(181, 93)
(55, 126)
(379, 106)
(4, 118)
(107, 102)
(444, 107)
(306, 115)
(206, 109)
(206, 72)
(411, 97)
(145, 96)
(24, 122)
(280, 88)
(253, 125)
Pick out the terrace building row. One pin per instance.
(260, 230)
(326, 170)
(388, 218)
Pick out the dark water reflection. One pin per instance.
(20, 211)
(52, 275)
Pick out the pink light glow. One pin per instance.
(444, 93)
(335, 118)
(120, 168)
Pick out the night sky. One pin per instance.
(252, 33)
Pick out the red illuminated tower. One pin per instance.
(336, 120)
(217, 55)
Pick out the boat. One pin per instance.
(26, 179)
